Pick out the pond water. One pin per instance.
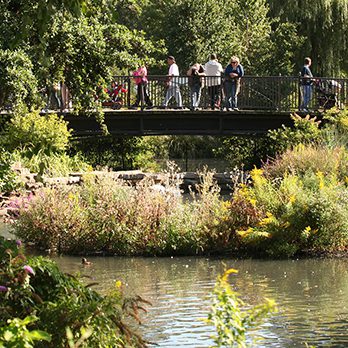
(312, 296)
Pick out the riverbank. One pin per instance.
(275, 216)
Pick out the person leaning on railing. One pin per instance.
(233, 73)
(195, 75)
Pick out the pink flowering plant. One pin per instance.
(38, 301)
(15, 276)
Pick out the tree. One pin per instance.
(324, 24)
(193, 31)
(78, 42)
(17, 79)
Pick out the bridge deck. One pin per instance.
(181, 122)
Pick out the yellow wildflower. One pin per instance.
(256, 173)
(292, 199)
(264, 234)
(253, 201)
(320, 176)
(118, 284)
(227, 273)
(268, 220)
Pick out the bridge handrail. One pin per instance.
(282, 93)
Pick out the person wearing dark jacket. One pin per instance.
(306, 82)
(233, 73)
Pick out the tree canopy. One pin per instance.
(324, 26)
(84, 42)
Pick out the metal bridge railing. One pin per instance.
(273, 93)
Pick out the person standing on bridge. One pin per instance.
(172, 83)
(306, 81)
(140, 79)
(195, 75)
(233, 73)
(213, 71)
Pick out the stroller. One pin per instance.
(327, 92)
(115, 96)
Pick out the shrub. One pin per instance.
(16, 334)
(9, 180)
(231, 320)
(62, 304)
(54, 165)
(305, 131)
(297, 214)
(17, 80)
(310, 159)
(112, 217)
(32, 133)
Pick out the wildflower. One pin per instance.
(28, 269)
(18, 243)
(292, 199)
(227, 273)
(307, 232)
(118, 284)
(320, 176)
(268, 220)
(263, 234)
(246, 232)
(256, 172)
(252, 201)
(3, 288)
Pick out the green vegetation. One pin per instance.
(295, 204)
(110, 216)
(39, 144)
(84, 42)
(232, 322)
(39, 303)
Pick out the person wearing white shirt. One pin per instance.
(173, 88)
(213, 70)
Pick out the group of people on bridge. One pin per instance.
(221, 84)
(212, 70)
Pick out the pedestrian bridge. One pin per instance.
(264, 103)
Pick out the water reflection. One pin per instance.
(312, 296)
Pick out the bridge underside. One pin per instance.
(180, 122)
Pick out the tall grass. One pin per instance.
(112, 217)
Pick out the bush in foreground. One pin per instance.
(37, 301)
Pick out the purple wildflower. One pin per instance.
(3, 288)
(29, 270)
(19, 243)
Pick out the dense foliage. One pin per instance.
(297, 203)
(38, 302)
(83, 42)
(112, 217)
(38, 144)
(32, 133)
(325, 19)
